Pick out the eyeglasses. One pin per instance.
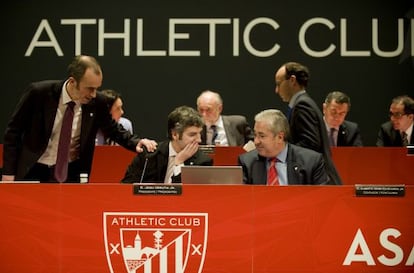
(396, 115)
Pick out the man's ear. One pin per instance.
(174, 135)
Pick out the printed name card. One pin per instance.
(364, 190)
(157, 189)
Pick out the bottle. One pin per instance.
(84, 178)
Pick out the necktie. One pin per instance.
(170, 169)
(332, 141)
(62, 160)
(289, 112)
(272, 177)
(211, 134)
(404, 139)
(214, 129)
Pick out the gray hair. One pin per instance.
(276, 121)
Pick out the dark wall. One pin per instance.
(153, 85)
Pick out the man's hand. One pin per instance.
(186, 153)
(151, 145)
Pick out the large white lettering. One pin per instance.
(302, 37)
(353, 256)
(78, 30)
(44, 26)
(364, 255)
(179, 41)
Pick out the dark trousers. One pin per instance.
(46, 174)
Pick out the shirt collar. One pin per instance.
(283, 154)
(171, 151)
(409, 130)
(219, 122)
(295, 97)
(328, 128)
(281, 157)
(65, 95)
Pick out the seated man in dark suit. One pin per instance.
(223, 130)
(341, 132)
(398, 131)
(277, 162)
(164, 165)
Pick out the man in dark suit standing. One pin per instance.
(398, 131)
(341, 132)
(293, 165)
(164, 165)
(31, 140)
(306, 122)
(223, 130)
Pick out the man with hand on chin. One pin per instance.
(182, 148)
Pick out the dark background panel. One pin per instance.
(153, 85)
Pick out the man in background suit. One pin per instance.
(398, 131)
(32, 135)
(295, 165)
(164, 165)
(341, 132)
(306, 122)
(223, 130)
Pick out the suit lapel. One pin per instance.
(51, 106)
(204, 135)
(259, 173)
(88, 117)
(230, 137)
(293, 168)
(162, 160)
(341, 135)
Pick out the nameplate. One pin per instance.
(364, 190)
(207, 149)
(410, 150)
(157, 189)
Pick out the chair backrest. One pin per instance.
(109, 164)
(227, 155)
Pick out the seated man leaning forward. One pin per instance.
(277, 162)
(164, 165)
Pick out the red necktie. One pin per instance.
(272, 177)
(62, 159)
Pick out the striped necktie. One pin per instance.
(272, 177)
(404, 139)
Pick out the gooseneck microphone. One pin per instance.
(144, 169)
(147, 156)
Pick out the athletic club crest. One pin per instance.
(155, 242)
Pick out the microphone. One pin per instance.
(148, 155)
(144, 169)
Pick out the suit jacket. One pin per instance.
(238, 131)
(304, 167)
(307, 128)
(30, 127)
(389, 137)
(156, 165)
(102, 140)
(349, 134)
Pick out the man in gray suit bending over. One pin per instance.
(277, 162)
(223, 130)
